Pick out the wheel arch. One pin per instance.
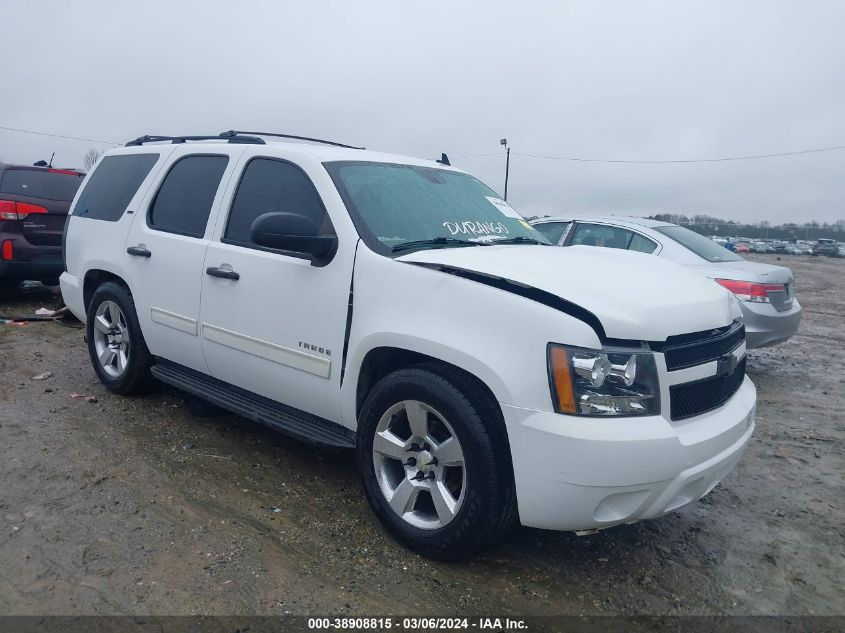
(383, 360)
(94, 278)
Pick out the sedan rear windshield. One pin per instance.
(41, 183)
(702, 246)
(393, 204)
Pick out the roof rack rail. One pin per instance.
(233, 138)
(235, 133)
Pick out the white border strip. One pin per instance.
(698, 372)
(690, 374)
(176, 321)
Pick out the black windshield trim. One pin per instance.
(435, 242)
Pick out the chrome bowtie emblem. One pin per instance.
(726, 364)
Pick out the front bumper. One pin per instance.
(589, 473)
(766, 326)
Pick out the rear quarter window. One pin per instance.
(41, 183)
(113, 185)
(641, 244)
(553, 231)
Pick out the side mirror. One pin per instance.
(293, 233)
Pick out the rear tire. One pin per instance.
(408, 459)
(115, 343)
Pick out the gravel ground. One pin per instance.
(135, 506)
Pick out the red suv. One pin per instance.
(34, 203)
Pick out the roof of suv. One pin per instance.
(322, 152)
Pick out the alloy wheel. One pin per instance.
(419, 464)
(111, 339)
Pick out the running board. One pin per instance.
(293, 422)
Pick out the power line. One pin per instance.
(478, 156)
(73, 138)
(666, 162)
(540, 156)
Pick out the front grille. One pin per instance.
(695, 398)
(689, 350)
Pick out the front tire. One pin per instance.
(435, 470)
(115, 344)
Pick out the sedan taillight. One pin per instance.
(751, 291)
(11, 210)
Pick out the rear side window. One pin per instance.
(612, 237)
(270, 186)
(41, 183)
(552, 231)
(641, 244)
(183, 201)
(112, 186)
(601, 235)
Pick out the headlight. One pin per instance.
(607, 382)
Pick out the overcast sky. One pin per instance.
(613, 80)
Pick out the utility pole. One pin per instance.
(504, 142)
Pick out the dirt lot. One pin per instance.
(135, 506)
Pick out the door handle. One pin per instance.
(222, 273)
(138, 251)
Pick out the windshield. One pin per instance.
(393, 204)
(702, 246)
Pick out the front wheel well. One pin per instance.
(94, 279)
(381, 361)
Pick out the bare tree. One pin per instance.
(90, 158)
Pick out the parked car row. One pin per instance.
(400, 307)
(822, 246)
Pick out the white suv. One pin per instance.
(400, 307)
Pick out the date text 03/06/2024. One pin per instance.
(421, 623)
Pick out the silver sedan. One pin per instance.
(766, 293)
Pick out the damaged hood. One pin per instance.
(634, 296)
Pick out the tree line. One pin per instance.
(709, 225)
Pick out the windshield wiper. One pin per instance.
(436, 241)
(520, 239)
